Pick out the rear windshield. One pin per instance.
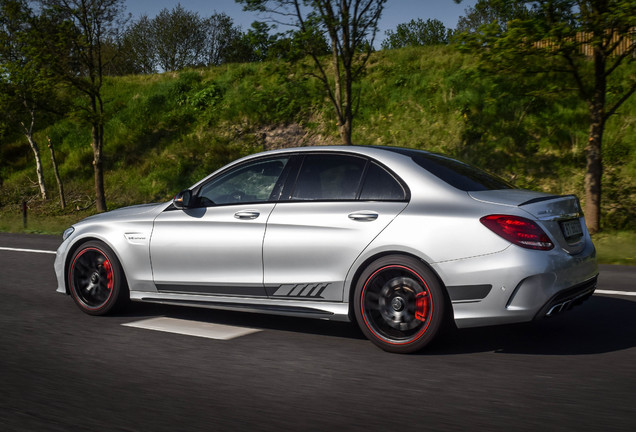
(456, 173)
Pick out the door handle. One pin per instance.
(363, 216)
(246, 214)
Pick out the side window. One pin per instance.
(329, 177)
(379, 185)
(250, 183)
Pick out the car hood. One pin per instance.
(136, 212)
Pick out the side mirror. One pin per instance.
(182, 199)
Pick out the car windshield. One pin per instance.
(457, 174)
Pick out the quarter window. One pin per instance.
(379, 185)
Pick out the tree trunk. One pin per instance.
(345, 132)
(593, 176)
(60, 187)
(594, 166)
(100, 196)
(38, 165)
(347, 109)
(338, 105)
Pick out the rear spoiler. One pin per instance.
(547, 198)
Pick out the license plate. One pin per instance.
(572, 228)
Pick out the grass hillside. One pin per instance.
(166, 131)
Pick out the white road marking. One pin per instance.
(27, 250)
(192, 328)
(619, 293)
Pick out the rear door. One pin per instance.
(337, 206)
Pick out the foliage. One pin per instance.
(417, 33)
(221, 34)
(586, 44)
(138, 47)
(27, 88)
(491, 12)
(351, 28)
(259, 41)
(616, 247)
(179, 38)
(81, 28)
(167, 131)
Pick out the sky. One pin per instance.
(395, 11)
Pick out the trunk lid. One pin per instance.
(559, 215)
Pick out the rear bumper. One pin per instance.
(568, 298)
(525, 284)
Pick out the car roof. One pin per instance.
(397, 159)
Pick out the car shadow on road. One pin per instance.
(245, 319)
(602, 324)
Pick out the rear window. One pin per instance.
(457, 174)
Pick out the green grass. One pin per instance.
(166, 131)
(616, 247)
(38, 224)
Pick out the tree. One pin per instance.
(260, 43)
(179, 38)
(25, 86)
(259, 39)
(60, 186)
(589, 42)
(351, 26)
(417, 33)
(82, 28)
(220, 35)
(138, 47)
(497, 12)
(293, 46)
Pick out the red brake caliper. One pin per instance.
(109, 274)
(421, 306)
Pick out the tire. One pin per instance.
(96, 280)
(399, 304)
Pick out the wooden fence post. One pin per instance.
(24, 214)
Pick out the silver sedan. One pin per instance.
(401, 241)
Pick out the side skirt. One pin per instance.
(305, 309)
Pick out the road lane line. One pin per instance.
(192, 328)
(611, 292)
(27, 250)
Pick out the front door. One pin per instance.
(215, 247)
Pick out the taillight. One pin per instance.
(520, 231)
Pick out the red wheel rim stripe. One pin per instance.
(109, 275)
(430, 305)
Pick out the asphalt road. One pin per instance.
(62, 370)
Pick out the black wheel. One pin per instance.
(96, 280)
(399, 304)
